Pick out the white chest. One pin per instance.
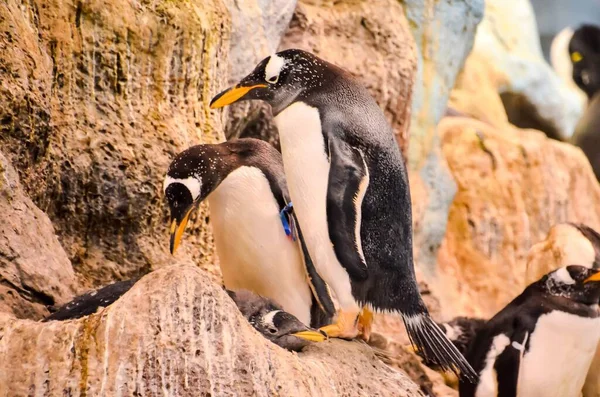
(254, 252)
(307, 173)
(561, 350)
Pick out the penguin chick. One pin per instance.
(269, 319)
(88, 303)
(543, 342)
(349, 185)
(584, 49)
(252, 222)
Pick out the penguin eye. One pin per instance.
(273, 79)
(272, 330)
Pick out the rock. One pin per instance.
(96, 97)
(513, 186)
(256, 30)
(370, 40)
(175, 333)
(444, 32)
(532, 93)
(34, 268)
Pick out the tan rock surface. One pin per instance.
(507, 46)
(175, 333)
(34, 268)
(95, 99)
(513, 186)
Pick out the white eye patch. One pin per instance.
(562, 276)
(192, 184)
(268, 318)
(273, 68)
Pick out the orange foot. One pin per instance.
(345, 326)
(365, 323)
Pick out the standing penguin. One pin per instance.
(349, 186)
(250, 214)
(543, 342)
(584, 50)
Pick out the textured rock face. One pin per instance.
(256, 30)
(444, 33)
(176, 334)
(34, 269)
(338, 32)
(513, 186)
(514, 58)
(96, 97)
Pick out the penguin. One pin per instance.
(265, 315)
(543, 342)
(564, 244)
(461, 330)
(253, 223)
(272, 322)
(584, 50)
(349, 186)
(88, 303)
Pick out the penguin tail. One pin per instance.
(433, 345)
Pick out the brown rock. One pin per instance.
(564, 245)
(175, 333)
(34, 269)
(513, 186)
(96, 97)
(371, 40)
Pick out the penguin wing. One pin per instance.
(348, 182)
(508, 363)
(319, 288)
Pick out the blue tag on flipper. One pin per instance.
(288, 224)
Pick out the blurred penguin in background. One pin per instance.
(584, 52)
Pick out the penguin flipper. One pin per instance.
(88, 303)
(318, 286)
(348, 182)
(508, 363)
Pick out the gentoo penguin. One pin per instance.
(265, 315)
(254, 228)
(461, 330)
(269, 319)
(88, 303)
(564, 244)
(584, 50)
(349, 186)
(541, 343)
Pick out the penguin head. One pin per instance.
(584, 50)
(198, 171)
(275, 324)
(577, 283)
(278, 79)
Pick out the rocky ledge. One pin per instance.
(176, 333)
